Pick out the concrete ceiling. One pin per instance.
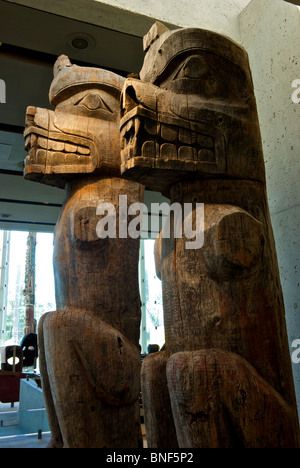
(31, 41)
(294, 2)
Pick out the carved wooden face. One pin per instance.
(82, 135)
(195, 117)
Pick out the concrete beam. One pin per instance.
(136, 18)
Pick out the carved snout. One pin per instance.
(136, 93)
(54, 144)
(36, 131)
(37, 119)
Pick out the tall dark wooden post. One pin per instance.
(190, 130)
(88, 347)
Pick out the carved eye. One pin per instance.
(195, 67)
(93, 102)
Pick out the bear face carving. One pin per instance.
(192, 114)
(69, 140)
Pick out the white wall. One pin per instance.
(270, 31)
(218, 15)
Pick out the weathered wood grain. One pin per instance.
(190, 130)
(157, 404)
(89, 346)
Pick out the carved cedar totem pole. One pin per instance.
(190, 130)
(89, 356)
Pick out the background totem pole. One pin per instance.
(29, 290)
(190, 130)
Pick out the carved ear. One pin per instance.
(62, 62)
(154, 33)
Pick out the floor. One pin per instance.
(12, 436)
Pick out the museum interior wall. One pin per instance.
(270, 31)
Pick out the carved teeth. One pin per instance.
(37, 147)
(57, 158)
(56, 145)
(149, 149)
(43, 143)
(83, 150)
(69, 158)
(70, 148)
(168, 150)
(186, 153)
(40, 156)
(66, 158)
(166, 141)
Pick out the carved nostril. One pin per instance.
(132, 94)
(129, 100)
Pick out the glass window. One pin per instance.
(13, 304)
(44, 275)
(15, 307)
(152, 327)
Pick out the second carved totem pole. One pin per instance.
(190, 130)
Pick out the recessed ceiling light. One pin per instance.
(80, 41)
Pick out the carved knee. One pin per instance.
(94, 354)
(219, 400)
(159, 422)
